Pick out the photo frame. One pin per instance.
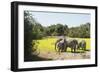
(31, 21)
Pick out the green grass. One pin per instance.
(48, 44)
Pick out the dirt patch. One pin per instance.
(65, 55)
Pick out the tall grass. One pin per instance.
(48, 44)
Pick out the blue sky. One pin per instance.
(71, 19)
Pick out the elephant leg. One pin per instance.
(60, 50)
(72, 50)
(66, 49)
(84, 49)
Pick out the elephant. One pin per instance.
(63, 44)
(73, 43)
(82, 45)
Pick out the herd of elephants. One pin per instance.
(61, 45)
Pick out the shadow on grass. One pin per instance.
(35, 58)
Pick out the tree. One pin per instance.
(59, 29)
(38, 31)
(66, 30)
(82, 31)
(29, 23)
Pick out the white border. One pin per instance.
(22, 64)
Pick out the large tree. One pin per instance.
(29, 23)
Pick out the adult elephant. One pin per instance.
(82, 45)
(60, 45)
(63, 44)
(73, 44)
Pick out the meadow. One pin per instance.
(48, 44)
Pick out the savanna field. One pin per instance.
(46, 47)
(48, 44)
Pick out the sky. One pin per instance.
(70, 19)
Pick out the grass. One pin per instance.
(48, 44)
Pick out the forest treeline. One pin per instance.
(39, 31)
(35, 30)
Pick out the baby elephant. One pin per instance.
(82, 45)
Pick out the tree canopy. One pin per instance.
(39, 31)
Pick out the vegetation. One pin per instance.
(47, 44)
(38, 31)
(31, 32)
(28, 33)
(34, 34)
